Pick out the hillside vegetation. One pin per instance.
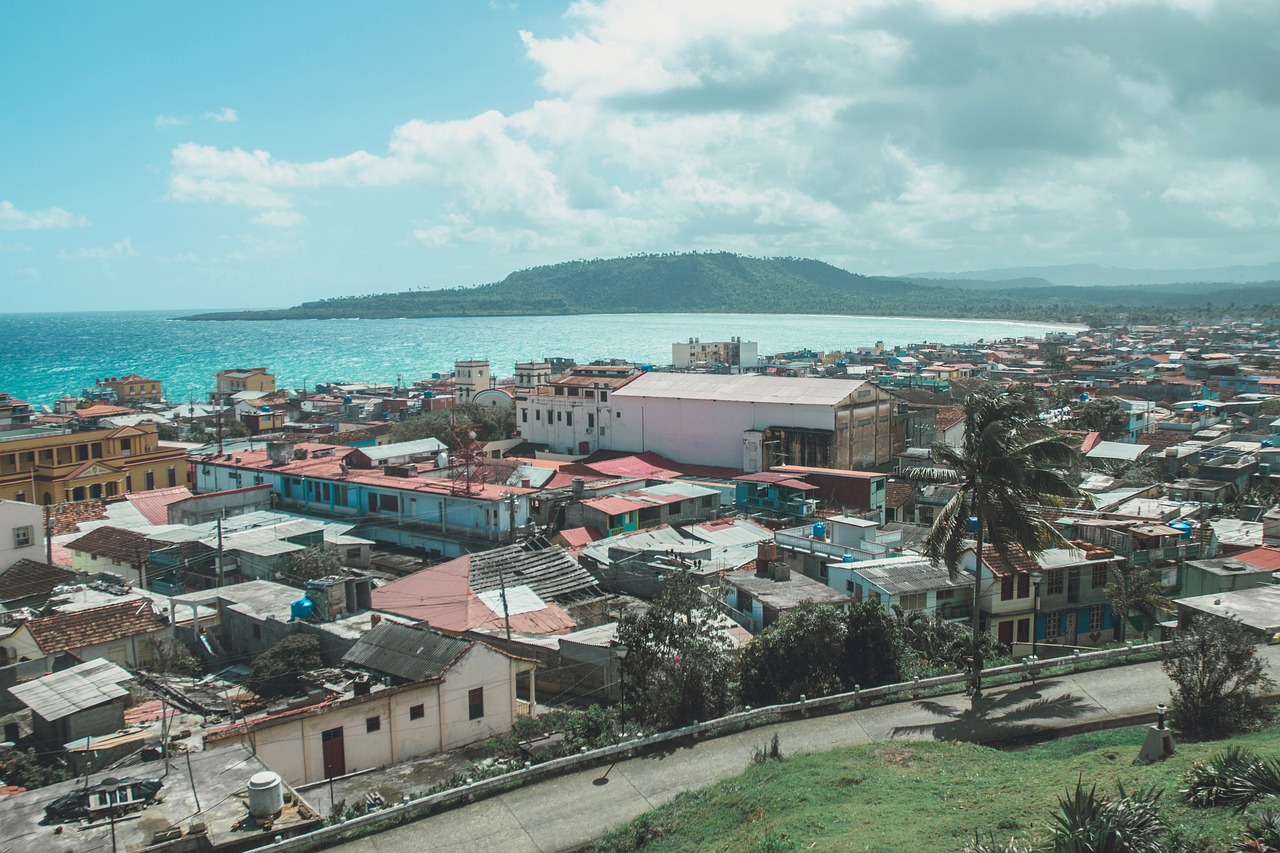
(921, 795)
(727, 283)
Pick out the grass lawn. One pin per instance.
(923, 795)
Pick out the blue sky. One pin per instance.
(236, 154)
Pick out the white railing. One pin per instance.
(423, 806)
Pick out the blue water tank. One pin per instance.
(301, 609)
(1084, 396)
(1184, 526)
(266, 410)
(819, 530)
(428, 394)
(646, 368)
(1266, 442)
(346, 399)
(1199, 407)
(435, 376)
(973, 524)
(847, 558)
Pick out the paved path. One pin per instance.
(567, 812)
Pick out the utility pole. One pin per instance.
(219, 558)
(506, 611)
(48, 532)
(511, 505)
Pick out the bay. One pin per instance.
(43, 356)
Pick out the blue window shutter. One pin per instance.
(1106, 617)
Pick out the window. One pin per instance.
(559, 417)
(706, 501)
(604, 395)
(23, 536)
(1095, 617)
(537, 415)
(1053, 624)
(372, 724)
(524, 416)
(1054, 576)
(173, 476)
(945, 594)
(1006, 589)
(257, 632)
(475, 703)
(591, 420)
(914, 601)
(1099, 575)
(417, 712)
(874, 595)
(1024, 585)
(568, 418)
(1024, 630)
(20, 497)
(618, 415)
(150, 478)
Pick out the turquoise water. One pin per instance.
(43, 356)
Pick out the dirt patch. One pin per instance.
(897, 755)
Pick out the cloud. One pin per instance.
(882, 134)
(169, 122)
(280, 218)
(117, 250)
(226, 114)
(13, 219)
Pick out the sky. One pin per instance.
(237, 155)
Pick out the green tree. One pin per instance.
(1217, 679)
(28, 770)
(1009, 461)
(939, 642)
(1139, 472)
(280, 670)
(313, 563)
(491, 423)
(800, 654)
(678, 666)
(1138, 591)
(873, 646)
(1105, 415)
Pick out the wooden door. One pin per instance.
(335, 756)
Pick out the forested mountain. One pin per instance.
(722, 282)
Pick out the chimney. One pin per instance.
(375, 620)
(578, 488)
(525, 482)
(766, 552)
(361, 686)
(780, 571)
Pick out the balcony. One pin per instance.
(1173, 552)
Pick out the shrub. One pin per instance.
(1213, 782)
(1087, 822)
(1217, 679)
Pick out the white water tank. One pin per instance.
(266, 794)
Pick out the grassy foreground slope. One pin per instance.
(922, 795)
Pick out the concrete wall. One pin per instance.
(14, 516)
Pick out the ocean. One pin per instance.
(44, 356)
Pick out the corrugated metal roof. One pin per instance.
(744, 388)
(62, 694)
(550, 572)
(430, 446)
(900, 575)
(406, 652)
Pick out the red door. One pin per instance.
(335, 756)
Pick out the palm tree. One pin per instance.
(1134, 590)
(1009, 461)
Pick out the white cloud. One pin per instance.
(226, 114)
(117, 250)
(879, 132)
(280, 218)
(13, 219)
(169, 122)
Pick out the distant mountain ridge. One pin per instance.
(1095, 275)
(720, 282)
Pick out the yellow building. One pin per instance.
(47, 466)
(132, 388)
(243, 379)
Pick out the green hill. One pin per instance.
(727, 283)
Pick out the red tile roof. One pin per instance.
(153, 504)
(1263, 558)
(576, 537)
(72, 631)
(127, 546)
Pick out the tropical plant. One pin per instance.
(1009, 461)
(1262, 833)
(799, 655)
(29, 770)
(1105, 415)
(941, 643)
(678, 666)
(1087, 822)
(1136, 590)
(1217, 679)
(991, 845)
(1214, 781)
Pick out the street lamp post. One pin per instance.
(620, 652)
(1036, 577)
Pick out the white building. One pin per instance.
(574, 413)
(470, 377)
(753, 422)
(21, 533)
